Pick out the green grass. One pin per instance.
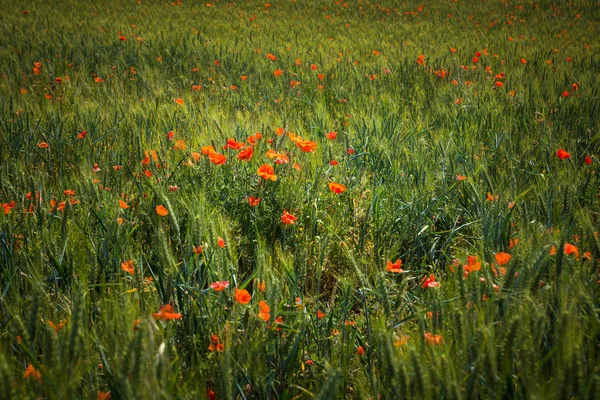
(405, 131)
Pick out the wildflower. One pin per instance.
(127, 266)
(306, 146)
(333, 163)
(430, 282)
(219, 286)
(523, 61)
(59, 326)
(81, 134)
(571, 249)
(395, 267)
(320, 314)
(277, 72)
(460, 177)
(221, 242)
(267, 172)
(245, 154)
(242, 296)
(198, 250)
(489, 197)
(122, 38)
(253, 201)
(162, 211)
(432, 339)
(588, 160)
(502, 258)
(265, 311)
(122, 204)
(563, 154)
(217, 159)
(179, 101)
(279, 131)
(103, 395)
(31, 372)
(166, 313)
(360, 351)
(288, 218)
(331, 135)
(42, 145)
(337, 187)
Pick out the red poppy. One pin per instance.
(253, 201)
(360, 351)
(430, 282)
(331, 135)
(277, 72)
(219, 286)
(563, 154)
(221, 242)
(31, 372)
(288, 218)
(432, 339)
(337, 187)
(246, 154)
(588, 160)
(198, 250)
(571, 249)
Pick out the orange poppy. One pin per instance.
(253, 201)
(31, 372)
(217, 159)
(242, 296)
(162, 211)
(432, 339)
(179, 101)
(331, 135)
(197, 250)
(360, 351)
(288, 218)
(337, 187)
(166, 313)
(267, 172)
(246, 154)
(306, 146)
(127, 266)
(221, 242)
(57, 327)
(42, 145)
(278, 72)
(265, 311)
(502, 258)
(561, 153)
(571, 249)
(395, 267)
(122, 204)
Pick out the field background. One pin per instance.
(445, 154)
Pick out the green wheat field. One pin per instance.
(369, 199)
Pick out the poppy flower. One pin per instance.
(432, 339)
(331, 135)
(306, 146)
(122, 204)
(333, 163)
(246, 154)
(502, 258)
(217, 159)
(395, 267)
(179, 101)
(253, 201)
(265, 311)
(42, 145)
(122, 38)
(69, 192)
(489, 197)
(571, 249)
(563, 154)
(103, 395)
(31, 372)
(219, 286)
(267, 172)
(460, 177)
(523, 61)
(430, 282)
(221, 242)
(242, 296)
(57, 327)
(288, 218)
(337, 187)
(277, 72)
(166, 313)
(588, 160)
(279, 131)
(81, 134)
(360, 351)
(198, 250)
(320, 314)
(127, 266)
(162, 211)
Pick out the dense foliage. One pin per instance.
(299, 199)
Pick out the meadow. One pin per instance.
(299, 199)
